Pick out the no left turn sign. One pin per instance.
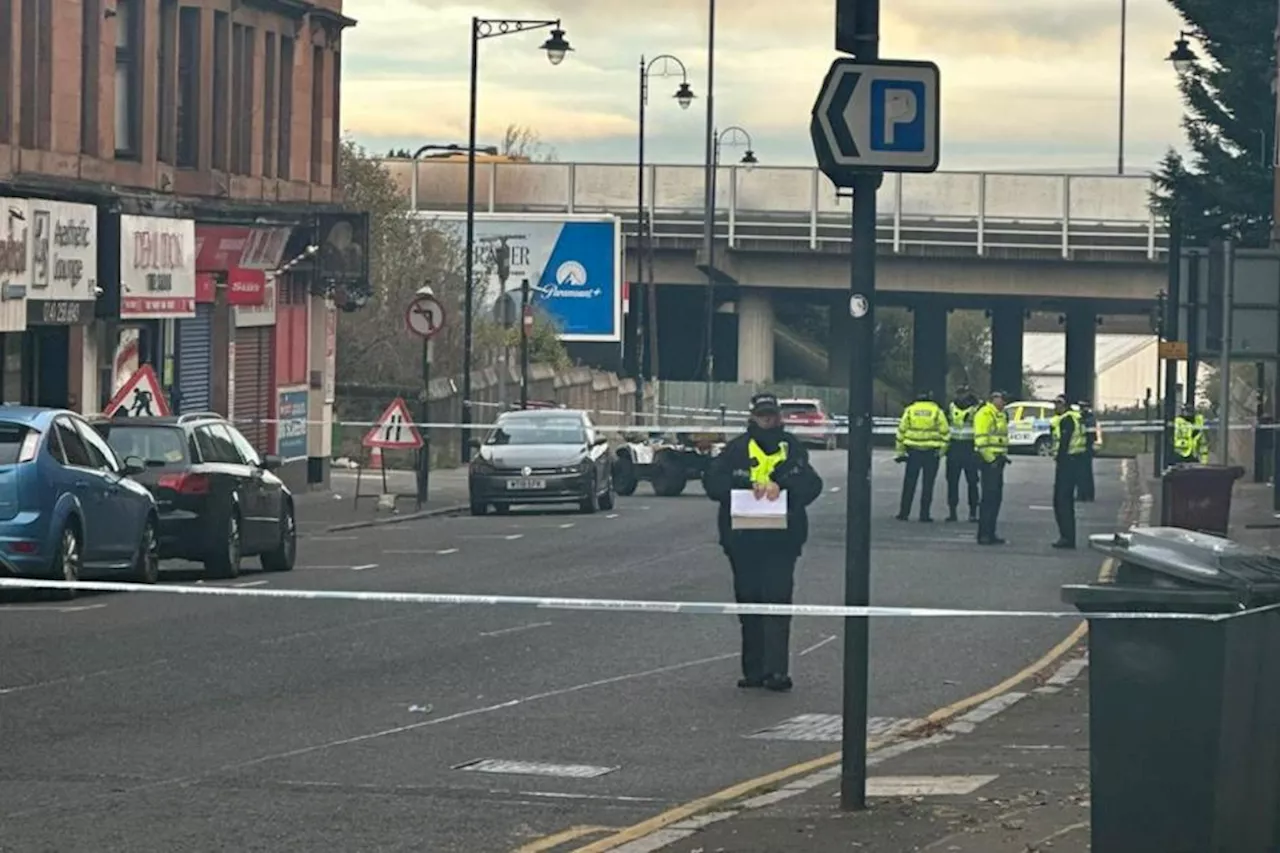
(425, 317)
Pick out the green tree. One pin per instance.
(1225, 187)
(406, 252)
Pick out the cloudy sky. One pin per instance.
(1026, 83)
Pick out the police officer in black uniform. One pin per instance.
(768, 461)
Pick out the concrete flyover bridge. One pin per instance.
(1007, 242)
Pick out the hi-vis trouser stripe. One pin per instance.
(701, 608)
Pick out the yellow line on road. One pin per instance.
(551, 842)
(751, 786)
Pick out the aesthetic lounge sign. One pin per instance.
(64, 263)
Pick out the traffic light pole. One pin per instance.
(865, 32)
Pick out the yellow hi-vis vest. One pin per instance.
(1079, 443)
(991, 433)
(923, 427)
(763, 464)
(962, 422)
(1189, 439)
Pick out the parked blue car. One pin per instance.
(68, 508)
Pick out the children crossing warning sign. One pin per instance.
(394, 430)
(140, 397)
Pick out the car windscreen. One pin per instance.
(11, 436)
(798, 409)
(538, 430)
(158, 447)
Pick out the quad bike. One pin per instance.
(668, 463)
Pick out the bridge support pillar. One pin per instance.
(1006, 349)
(1082, 344)
(929, 351)
(755, 337)
(839, 330)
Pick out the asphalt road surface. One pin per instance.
(144, 722)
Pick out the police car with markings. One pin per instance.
(1029, 426)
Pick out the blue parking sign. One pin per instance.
(898, 115)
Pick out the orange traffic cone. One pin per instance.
(375, 459)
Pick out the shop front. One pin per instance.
(253, 370)
(157, 289)
(232, 262)
(15, 279)
(59, 350)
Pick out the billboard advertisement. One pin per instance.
(573, 263)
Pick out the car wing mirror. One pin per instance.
(134, 465)
(270, 462)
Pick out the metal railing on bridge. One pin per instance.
(984, 214)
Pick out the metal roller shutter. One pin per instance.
(255, 385)
(195, 361)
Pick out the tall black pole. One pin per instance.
(1173, 304)
(709, 211)
(424, 470)
(468, 282)
(637, 294)
(862, 356)
(1193, 324)
(1124, 38)
(525, 320)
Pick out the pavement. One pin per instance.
(147, 722)
(342, 506)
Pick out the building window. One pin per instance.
(167, 82)
(188, 108)
(335, 101)
(36, 74)
(90, 78)
(242, 93)
(317, 113)
(221, 87)
(271, 80)
(128, 26)
(284, 158)
(6, 70)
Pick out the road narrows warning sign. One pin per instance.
(394, 430)
(140, 397)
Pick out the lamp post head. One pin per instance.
(749, 160)
(556, 46)
(1182, 56)
(426, 290)
(684, 96)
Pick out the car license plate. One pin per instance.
(526, 485)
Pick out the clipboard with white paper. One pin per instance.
(747, 512)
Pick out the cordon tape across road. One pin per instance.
(701, 608)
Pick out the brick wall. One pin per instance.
(59, 76)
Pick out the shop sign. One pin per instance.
(64, 252)
(245, 254)
(259, 315)
(59, 312)
(291, 414)
(15, 248)
(157, 267)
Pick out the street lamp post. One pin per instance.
(452, 149)
(684, 97)
(1124, 37)
(556, 47)
(708, 236)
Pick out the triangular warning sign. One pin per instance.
(140, 397)
(394, 430)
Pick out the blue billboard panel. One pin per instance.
(573, 264)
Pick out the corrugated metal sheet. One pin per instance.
(1045, 353)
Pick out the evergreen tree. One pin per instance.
(1225, 187)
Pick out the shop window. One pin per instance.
(291, 335)
(128, 79)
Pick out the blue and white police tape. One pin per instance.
(701, 608)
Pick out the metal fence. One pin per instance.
(978, 213)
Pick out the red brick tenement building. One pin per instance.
(162, 163)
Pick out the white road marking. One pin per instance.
(511, 537)
(612, 515)
(566, 526)
(446, 551)
(834, 489)
(317, 568)
(46, 608)
(818, 645)
(514, 630)
(925, 786)
(533, 768)
(71, 679)
(558, 795)
(435, 721)
(1039, 508)
(828, 728)
(365, 567)
(251, 583)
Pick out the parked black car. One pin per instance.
(218, 499)
(541, 456)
